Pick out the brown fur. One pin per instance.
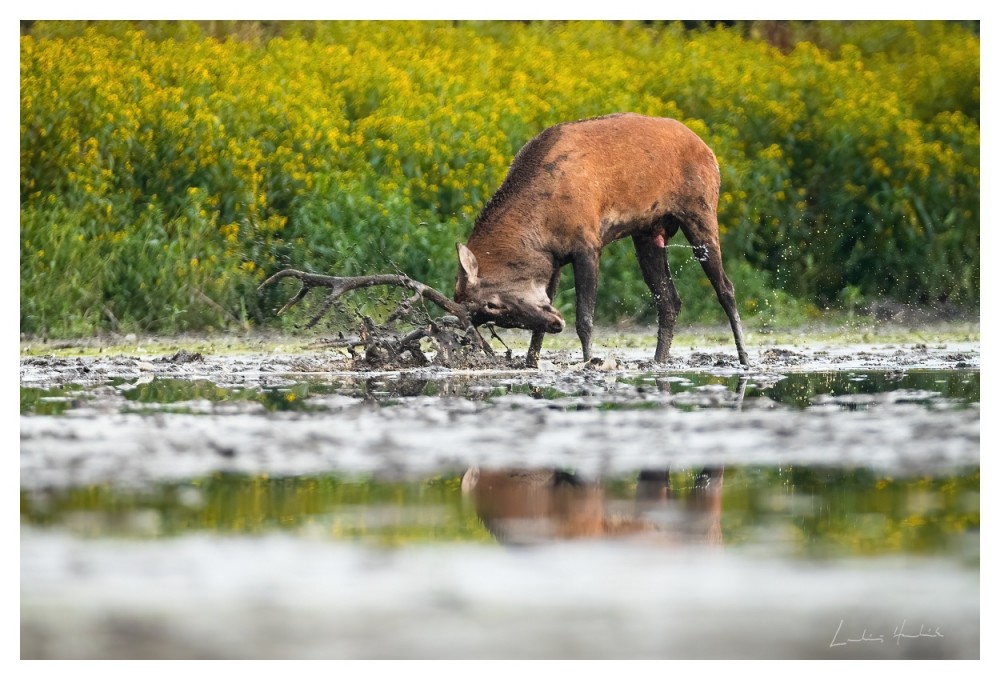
(571, 191)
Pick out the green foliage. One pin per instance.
(168, 167)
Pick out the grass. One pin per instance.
(836, 329)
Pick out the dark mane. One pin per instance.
(523, 170)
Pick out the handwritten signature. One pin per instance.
(898, 634)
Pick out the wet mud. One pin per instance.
(128, 419)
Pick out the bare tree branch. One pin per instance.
(338, 285)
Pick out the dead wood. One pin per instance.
(379, 346)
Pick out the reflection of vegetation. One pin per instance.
(824, 512)
(385, 512)
(167, 391)
(160, 391)
(800, 389)
(796, 389)
(44, 402)
(809, 511)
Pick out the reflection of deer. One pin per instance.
(531, 506)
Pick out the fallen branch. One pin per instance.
(339, 285)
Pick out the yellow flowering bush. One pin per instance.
(165, 171)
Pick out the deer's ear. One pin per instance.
(468, 266)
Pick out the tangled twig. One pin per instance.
(339, 285)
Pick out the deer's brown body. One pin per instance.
(571, 191)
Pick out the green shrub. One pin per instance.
(167, 169)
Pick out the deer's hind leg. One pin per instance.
(656, 273)
(703, 234)
(585, 274)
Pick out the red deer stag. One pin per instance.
(571, 191)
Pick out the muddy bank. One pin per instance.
(249, 366)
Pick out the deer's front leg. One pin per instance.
(535, 347)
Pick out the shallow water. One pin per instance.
(824, 505)
(851, 389)
(794, 511)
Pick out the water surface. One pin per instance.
(554, 514)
